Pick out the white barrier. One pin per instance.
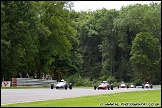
(6, 83)
(31, 82)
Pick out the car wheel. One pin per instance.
(142, 86)
(127, 86)
(108, 87)
(112, 86)
(118, 87)
(66, 87)
(95, 87)
(151, 86)
(52, 85)
(70, 86)
(56, 87)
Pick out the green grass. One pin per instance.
(150, 98)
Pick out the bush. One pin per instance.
(138, 82)
(156, 82)
(87, 82)
(77, 80)
(111, 79)
(70, 79)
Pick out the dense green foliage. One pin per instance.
(81, 47)
(145, 56)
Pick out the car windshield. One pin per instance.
(61, 82)
(123, 84)
(104, 81)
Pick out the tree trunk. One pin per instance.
(55, 74)
(39, 74)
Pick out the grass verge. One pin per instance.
(146, 98)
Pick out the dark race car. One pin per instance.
(104, 85)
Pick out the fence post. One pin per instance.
(14, 81)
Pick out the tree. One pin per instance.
(57, 45)
(89, 41)
(134, 19)
(18, 28)
(109, 42)
(145, 56)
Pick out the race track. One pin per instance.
(9, 96)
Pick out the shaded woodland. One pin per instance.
(82, 47)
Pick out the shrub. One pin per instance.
(111, 79)
(87, 82)
(138, 82)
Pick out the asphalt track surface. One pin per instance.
(9, 96)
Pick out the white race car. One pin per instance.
(62, 84)
(132, 86)
(147, 85)
(122, 85)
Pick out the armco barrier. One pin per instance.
(31, 82)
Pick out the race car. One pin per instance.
(132, 86)
(123, 85)
(147, 85)
(62, 84)
(104, 85)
